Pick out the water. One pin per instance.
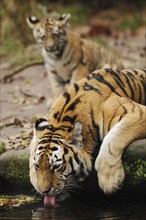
(84, 208)
(81, 208)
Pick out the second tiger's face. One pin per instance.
(49, 32)
(47, 35)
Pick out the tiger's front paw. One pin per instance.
(110, 176)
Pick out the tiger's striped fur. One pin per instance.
(105, 110)
(67, 56)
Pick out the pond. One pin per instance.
(84, 208)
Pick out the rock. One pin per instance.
(15, 170)
(134, 160)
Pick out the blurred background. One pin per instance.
(111, 23)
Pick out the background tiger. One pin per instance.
(97, 111)
(67, 56)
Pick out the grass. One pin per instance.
(79, 13)
(9, 46)
(131, 23)
(18, 55)
(2, 147)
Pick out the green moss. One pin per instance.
(2, 147)
(135, 170)
(16, 170)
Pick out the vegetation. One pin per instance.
(131, 22)
(2, 147)
(17, 39)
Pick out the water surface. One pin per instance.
(81, 208)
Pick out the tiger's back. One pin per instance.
(128, 83)
(104, 83)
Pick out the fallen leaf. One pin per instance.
(24, 134)
(24, 143)
(28, 82)
(17, 122)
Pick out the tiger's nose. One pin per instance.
(46, 191)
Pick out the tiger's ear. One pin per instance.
(40, 125)
(32, 21)
(75, 137)
(63, 20)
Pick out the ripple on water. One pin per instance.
(75, 209)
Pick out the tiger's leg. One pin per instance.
(79, 73)
(57, 87)
(128, 127)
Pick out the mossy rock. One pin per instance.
(14, 168)
(134, 160)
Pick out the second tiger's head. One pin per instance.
(49, 32)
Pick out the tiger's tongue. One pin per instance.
(50, 201)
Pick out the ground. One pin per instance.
(22, 101)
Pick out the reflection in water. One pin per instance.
(75, 210)
(79, 208)
(43, 214)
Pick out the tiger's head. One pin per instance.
(58, 161)
(49, 32)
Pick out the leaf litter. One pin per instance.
(16, 201)
(20, 140)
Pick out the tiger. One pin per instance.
(104, 111)
(67, 56)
